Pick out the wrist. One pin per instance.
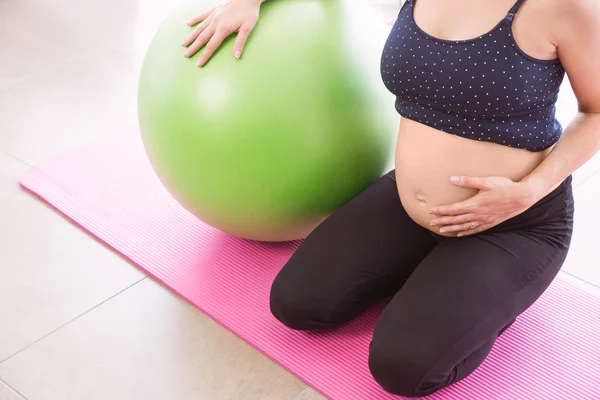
(533, 189)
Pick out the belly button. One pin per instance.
(420, 199)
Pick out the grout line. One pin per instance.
(15, 157)
(72, 320)
(297, 396)
(12, 195)
(586, 179)
(581, 279)
(306, 389)
(13, 389)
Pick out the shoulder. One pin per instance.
(582, 8)
(577, 33)
(565, 21)
(575, 17)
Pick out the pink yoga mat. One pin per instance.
(109, 189)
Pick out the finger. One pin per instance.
(455, 220)
(240, 41)
(463, 207)
(200, 41)
(195, 33)
(201, 17)
(464, 227)
(212, 46)
(470, 182)
(478, 229)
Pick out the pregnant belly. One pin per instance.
(426, 158)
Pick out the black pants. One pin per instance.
(451, 297)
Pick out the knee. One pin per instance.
(400, 373)
(298, 306)
(289, 310)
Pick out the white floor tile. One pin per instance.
(587, 171)
(6, 393)
(50, 272)
(10, 169)
(121, 27)
(580, 284)
(146, 343)
(80, 25)
(566, 109)
(583, 260)
(309, 394)
(66, 107)
(24, 55)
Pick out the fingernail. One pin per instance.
(455, 179)
(237, 53)
(442, 230)
(433, 223)
(460, 235)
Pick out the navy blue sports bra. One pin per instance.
(485, 88)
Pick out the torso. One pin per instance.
(427, 157)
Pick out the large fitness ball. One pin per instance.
(267, 146)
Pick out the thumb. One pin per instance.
(470, 182)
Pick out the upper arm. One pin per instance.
(578, 40)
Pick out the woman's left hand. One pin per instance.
(498, 200)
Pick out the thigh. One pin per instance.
(458, 299)
(363, 252)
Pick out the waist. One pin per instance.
(426, 158)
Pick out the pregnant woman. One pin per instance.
(475, 222)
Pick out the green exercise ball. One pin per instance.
(267, 146)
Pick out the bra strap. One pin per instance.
(514, 9)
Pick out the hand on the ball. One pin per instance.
(217, 24)
(498, 200)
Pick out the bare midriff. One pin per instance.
(426, 158)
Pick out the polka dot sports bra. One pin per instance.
(485, 88)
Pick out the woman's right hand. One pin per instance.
(217, 24)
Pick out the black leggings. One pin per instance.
(451, 297)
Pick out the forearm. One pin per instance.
(579, 142)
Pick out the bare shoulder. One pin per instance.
(574, 16)
(577, 33)
(583, 8)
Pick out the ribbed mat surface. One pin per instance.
(109, 189)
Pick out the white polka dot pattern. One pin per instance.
(485, 88)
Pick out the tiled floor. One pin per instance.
(77, 321)
(6, 393)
